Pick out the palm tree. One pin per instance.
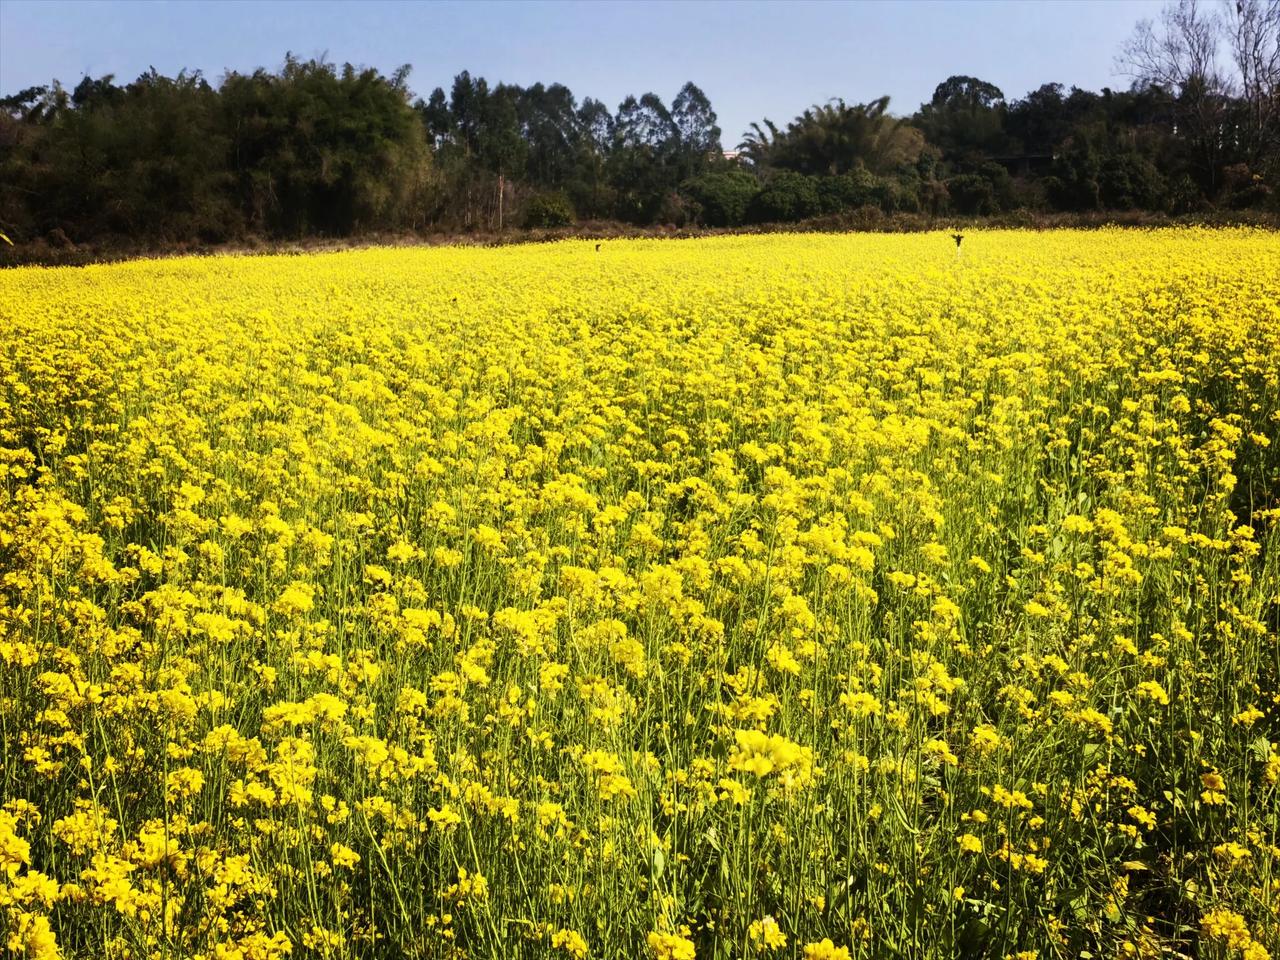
(757, 144)
(835, 138)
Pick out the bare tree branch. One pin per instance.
(1179, 52)
(1252, 29)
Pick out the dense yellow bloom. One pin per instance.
(31, 937)
(766, 935)
(670, 946)
(1151, 690)
(661, 597)
(15, 852)
(824, 949)
(343, 856)
(762, 753)
(571, 942)
(1230, 928)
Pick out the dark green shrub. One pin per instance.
(1003, 194)
(675, 210)
(902, 196)
(591, 200)
(971, 194)
(1073, 182)
(850, 191)
(785, 198)
(1243, 188)
(548, 210)
(1127, 181)
(724, 197)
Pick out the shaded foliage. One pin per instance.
(722, 197)
(313, 149)
(548, 210)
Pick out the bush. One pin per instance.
(902, 196)
(1073, 183)
(724, 197)
(934, 198)
(971, 194)
(1127, 181)
(591, 201)
(1184, 196)
(1003, 195)
(786, 198)
(675, 210)
(1242, 188)
(850, 191)
(1031, 194)
(548, 210)
(866, 217)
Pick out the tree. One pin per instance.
(645, 124)
(317, 150)
(499, 145)
(722, 197)
(313, 148)
(1253, 38)
(549, 126)
(838, 137)
(643, 159)
(27, 105)
(850, 191)
(960, 92)
(971, 194)
(1180, 54)
(698, 136)
(1040, 120)
(597, 126)
(1129, 181)
(548, 210)
(174, 155)
(964, 118)
(590, 191)
(436, 117)
(785, 197)
(466, 103)
(758, 143)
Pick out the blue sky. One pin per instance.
(753, 59)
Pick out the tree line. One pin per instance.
(313, 149)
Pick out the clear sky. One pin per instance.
(752, 58)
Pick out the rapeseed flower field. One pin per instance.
(790, 596)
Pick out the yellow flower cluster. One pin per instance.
(822, 596)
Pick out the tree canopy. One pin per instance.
(312, 148)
